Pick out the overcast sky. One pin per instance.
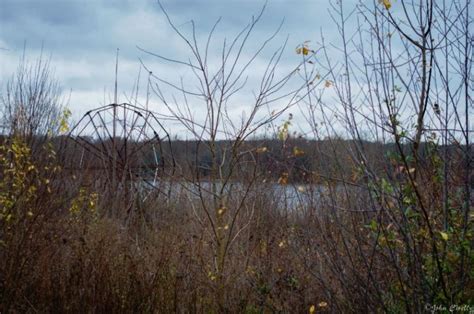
(82, 36)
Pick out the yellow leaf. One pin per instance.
(312, 309)
(221, 210)
(303, 50)
(63, 123)
(322, 304)
(444, 235)
(250, 270)
(283, 130)
(297, 152)
(387, 4)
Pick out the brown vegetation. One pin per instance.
(373, 223)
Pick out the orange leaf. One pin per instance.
(283, 180)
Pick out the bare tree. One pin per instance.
(230, 172)
(31, 101)
(404, 79)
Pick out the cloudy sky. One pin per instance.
(81, 37)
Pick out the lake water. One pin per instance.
(284, 195)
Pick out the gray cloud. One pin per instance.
(82, 36)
